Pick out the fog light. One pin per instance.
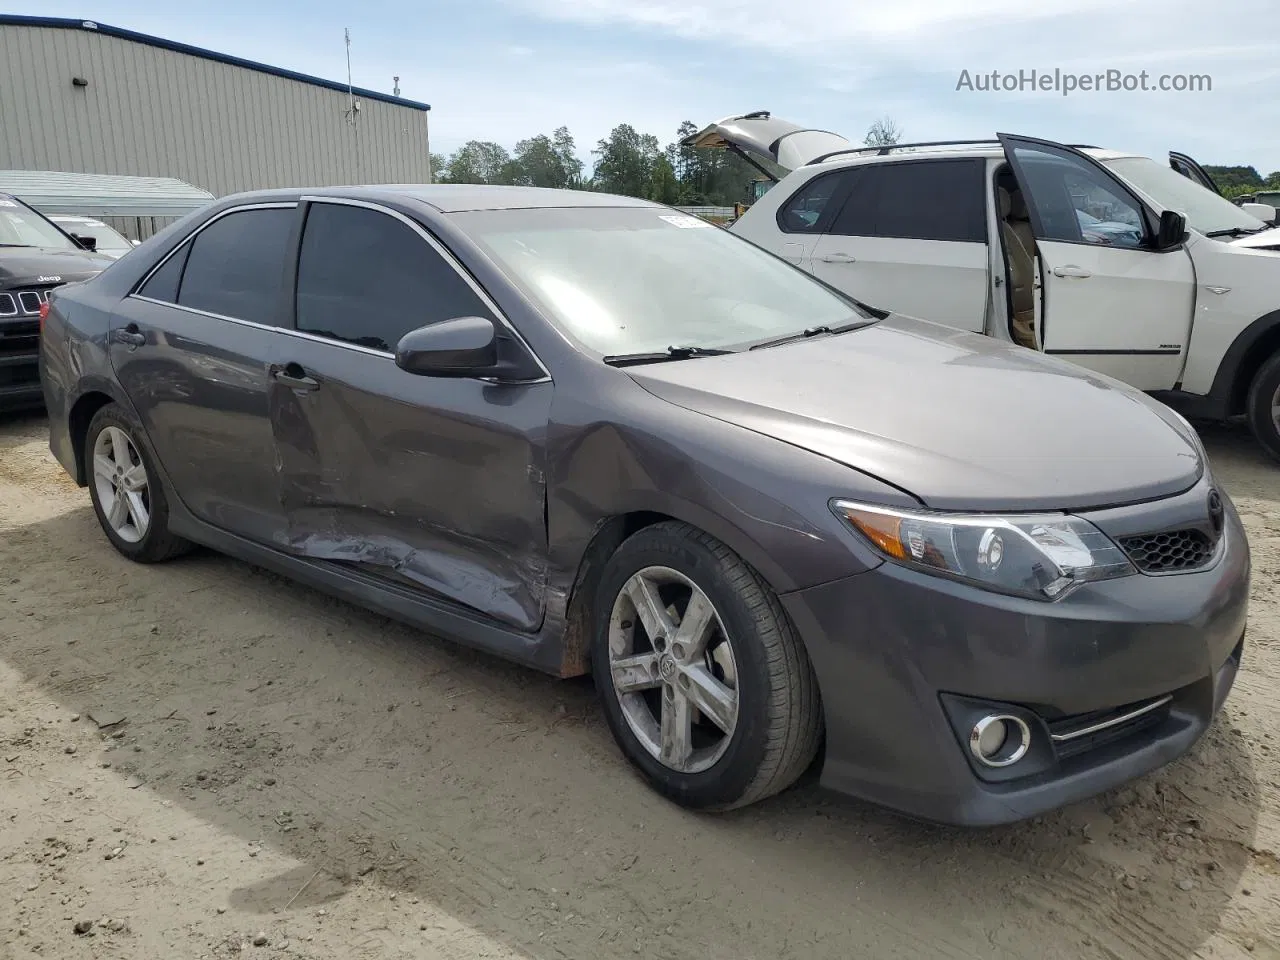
(999, 740)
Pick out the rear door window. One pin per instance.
(366, 278)
(236, 265)
(917, 200)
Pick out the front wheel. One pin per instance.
(1264, 406)
(705, 685)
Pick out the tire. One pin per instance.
(106, 459)
(776, 720)
(1264, 406)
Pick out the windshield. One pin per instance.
(638, 279)
(21, 226)
(1205, 210)
(107, 238)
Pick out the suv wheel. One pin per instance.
(1264, 406)
(126, 490)
(706, 687)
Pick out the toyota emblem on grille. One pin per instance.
(1216, 512)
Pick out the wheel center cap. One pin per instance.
(667, 667)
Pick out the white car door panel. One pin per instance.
(934, 279)
(1110, 301)
(1125, 313)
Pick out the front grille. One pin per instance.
(1076, 734)
(23, 303)
(1174, 551)
(19, 338)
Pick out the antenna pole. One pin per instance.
(351, 100)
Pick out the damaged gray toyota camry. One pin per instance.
(782, 529)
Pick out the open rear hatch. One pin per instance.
(759, 135)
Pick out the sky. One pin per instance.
(504, 70)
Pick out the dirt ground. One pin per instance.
(201, 759)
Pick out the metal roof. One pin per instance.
(103, 195)
(62, 23)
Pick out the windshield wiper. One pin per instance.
(811, 332)
(660, 356)
(1236, 232)
(17, 244)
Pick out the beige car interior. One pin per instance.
(1019, 253)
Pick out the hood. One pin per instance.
(23, 266)
(958, 420)
(786, 144)
(1266, 240)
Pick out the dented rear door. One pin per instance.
(434, 484)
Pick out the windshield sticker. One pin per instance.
(683, 221)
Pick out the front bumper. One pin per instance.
(901, 656)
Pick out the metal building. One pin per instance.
(82, 97)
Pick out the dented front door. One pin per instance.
(435, 484)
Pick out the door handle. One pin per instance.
(1078, 273)
(131, 336)
(837, 258)
(292, 375)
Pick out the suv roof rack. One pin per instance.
(892, 147)
(882, 151)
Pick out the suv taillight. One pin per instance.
(44, 314)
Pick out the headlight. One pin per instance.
(1040, 556)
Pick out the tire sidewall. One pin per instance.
(1261, 391)
(112, 415)
(734, 772)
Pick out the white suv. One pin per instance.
(1113, 261)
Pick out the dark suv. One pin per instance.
(35, 257)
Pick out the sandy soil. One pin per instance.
(201, 760)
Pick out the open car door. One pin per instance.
(1192, 171)
(759, 136)
(1111, 299)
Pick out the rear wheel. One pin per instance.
(126, 490)
(706, 687)
(1264, 406)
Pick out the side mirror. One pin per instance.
(465, 347)
(1263, 211)
(1172, 231)
(88, 243)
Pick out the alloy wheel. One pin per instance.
(121, 482)
(673, 669)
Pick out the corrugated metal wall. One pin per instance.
(149, 111)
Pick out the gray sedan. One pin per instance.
(782, 529)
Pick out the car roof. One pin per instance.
(991, 149)
(458, 197)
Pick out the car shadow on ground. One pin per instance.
(373, 753)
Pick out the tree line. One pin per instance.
(636, 164)
(1237, 181)
(625, 162)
